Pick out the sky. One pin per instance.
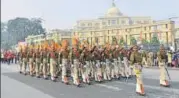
(63, 14)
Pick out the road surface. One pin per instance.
(15, 85)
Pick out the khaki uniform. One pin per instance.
(150, 59)
(75, 55)
(86, 67)
(98, 67)
(24, 62)
(53, 64)
(31, 62)
(144, 59)
(37, 64)
(20, 61)
(41, 63)
(115, 70)
(108, 65)
(136, 60)
(59, 62)
(162, 57)
(65, 54)
(45, 64)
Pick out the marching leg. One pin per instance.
(163, 80)
(75, 73)
(24, 65)
(53, 69)
(37, 66)
(64, 71)
(139, 83)
(45, 68)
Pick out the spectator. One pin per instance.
(2, 57)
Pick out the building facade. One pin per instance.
(55, 35)
(116, 24)
(177, 39)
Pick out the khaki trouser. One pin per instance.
(138, 72)
(58, 67)
(53, 64)
(41, 67)
(37, 66)
(20, 64)
(144, 61)
(107, 71)
(122, 68)
(45, 66)
(115, 69)
(75, 69)
(92, 67)
(127, 69)
(31, 63)
(162, 72)
(24, 64)
(86, 71)
(64, 68)
(98, 71)
(149, 62)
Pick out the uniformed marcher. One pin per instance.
(74, 58)
(45, 60)
(107, 55)
(65, 57)
(53, 61)
(86, 55)
(162, 59)
(30, 60)
(20, 53)
(37, 61)
(24, 59)
(136, 60)
(98, 67)
(144, 59)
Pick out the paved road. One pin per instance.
(15, 85)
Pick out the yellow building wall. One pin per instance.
(105, 35)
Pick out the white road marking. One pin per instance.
(172, 90)
(109, 87)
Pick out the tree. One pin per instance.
(4, 36)
(155, 40)
(133, 41)
(144, 41)
(19, 28)
(121, 41)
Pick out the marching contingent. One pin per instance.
(99, 63)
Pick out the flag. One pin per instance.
(159, 34)
(141, 35)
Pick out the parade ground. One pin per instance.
(15, 85)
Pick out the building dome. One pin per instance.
(113, 11)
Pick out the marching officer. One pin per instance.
(37, 61)
(162, 59)
(20, 53)
(45, 60)
(30, 59)
(87, 68)
(65, 55)
(97, 68)
(107, 72)
(136, 60)
(74, 58)
(24, 59)
(53, 61)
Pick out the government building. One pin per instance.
(115, 24)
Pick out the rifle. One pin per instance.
(167, 72)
